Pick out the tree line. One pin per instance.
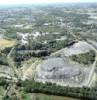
(85, 93)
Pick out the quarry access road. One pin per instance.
(94, 64)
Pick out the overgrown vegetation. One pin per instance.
(3, 60)
(85, 58)
(53, 89)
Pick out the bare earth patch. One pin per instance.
(29, 68)
(6, 43)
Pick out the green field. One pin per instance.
(39, 96)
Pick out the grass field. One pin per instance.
(39, 96)
(6, 43)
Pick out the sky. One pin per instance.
(11, 2)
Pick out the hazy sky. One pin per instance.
(7, 2)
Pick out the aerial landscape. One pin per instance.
(48, 52)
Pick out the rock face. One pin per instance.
(61, 71)
(78, 48)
